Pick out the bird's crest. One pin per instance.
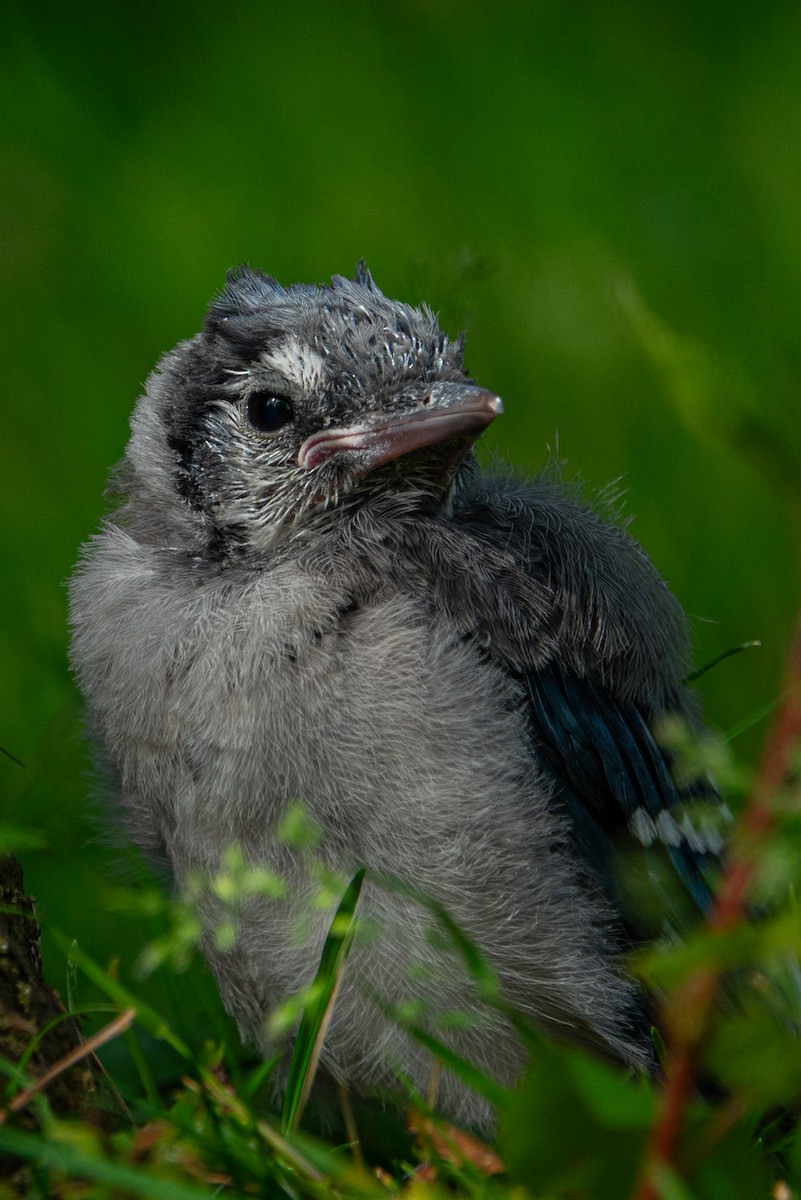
(349, 319)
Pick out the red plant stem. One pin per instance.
(696, 996)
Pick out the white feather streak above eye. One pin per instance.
(297, 363)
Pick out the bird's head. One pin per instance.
(294, 402)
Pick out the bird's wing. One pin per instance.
(615, 779)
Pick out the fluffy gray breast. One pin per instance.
(220, 698)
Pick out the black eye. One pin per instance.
(268, 412)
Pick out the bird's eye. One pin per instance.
(269, 412)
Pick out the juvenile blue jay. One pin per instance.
(310, 590)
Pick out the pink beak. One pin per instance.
(454, 411)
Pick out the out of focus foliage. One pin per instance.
(605, 196)
(574, 1129)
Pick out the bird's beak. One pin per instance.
(450, 412)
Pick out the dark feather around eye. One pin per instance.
(268, 412)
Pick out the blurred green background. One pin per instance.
(606, 197)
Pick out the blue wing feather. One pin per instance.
(614, 778)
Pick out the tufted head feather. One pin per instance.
(352, 324)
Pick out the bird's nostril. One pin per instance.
(426, 400)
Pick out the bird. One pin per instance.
(310, 592)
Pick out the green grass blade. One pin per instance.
(473, 1076)
(319, 1005)
(147, 1017)
(62, 1156)
(709, 666)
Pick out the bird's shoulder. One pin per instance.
(539, 576)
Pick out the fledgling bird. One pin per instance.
(312, 591)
